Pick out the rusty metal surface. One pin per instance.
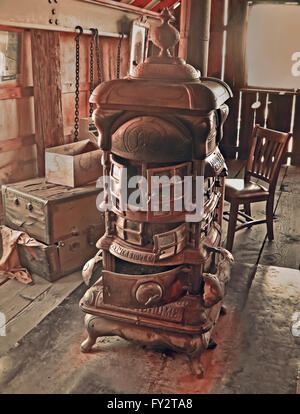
(163, 279)
(188, 332)
(152, 139)
(143, 291)
(190, 254)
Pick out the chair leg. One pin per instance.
(231, 225)
(247, 208)
(269, 214)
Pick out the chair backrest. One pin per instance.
(266, 154)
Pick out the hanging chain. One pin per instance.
(92, 67)
(77, 40)
(94, 43)
(119, 56)
(99, 74)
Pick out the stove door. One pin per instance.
(144, 291)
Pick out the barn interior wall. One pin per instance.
(21, 143)
(20, 146)
(273, 108)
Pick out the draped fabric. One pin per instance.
(10, 267)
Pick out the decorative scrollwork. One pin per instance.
(215, 284)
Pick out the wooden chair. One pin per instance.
(265, 159)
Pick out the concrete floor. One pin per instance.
(256, 353)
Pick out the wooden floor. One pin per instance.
(257, 349)
(252, 245)
(24, 306)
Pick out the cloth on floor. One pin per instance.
(10, 266)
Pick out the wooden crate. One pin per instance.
(50, 213)
(56, 260)
(73, 164)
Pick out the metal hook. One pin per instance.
(80, 29)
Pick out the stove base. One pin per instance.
(184, 325)
(192, 344)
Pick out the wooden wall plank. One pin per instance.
(70, 87)
(279, 112)
(108, 60)
(260, 112)
(17, 127)
(228, 143)
(18, 165)
(108, 52)
(235, 62)
(67, 57)
(68, 101)
(296, 134)
(16, 118)
(27, 60)
(46, 67)
(16, 143)
(216, 38)
(16, 92)
(247, 123)
(235, 68)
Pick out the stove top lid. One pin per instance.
(163, 81)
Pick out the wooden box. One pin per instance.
(50, 213)
(57, 260)
(73, 164)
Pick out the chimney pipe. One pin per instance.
(194, 33)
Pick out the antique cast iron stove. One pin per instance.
(155, 287)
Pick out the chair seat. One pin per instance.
(239, 189)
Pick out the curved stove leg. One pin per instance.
(196, 365)
(87, 344)
(223, 310)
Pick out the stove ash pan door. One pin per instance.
(135, 292)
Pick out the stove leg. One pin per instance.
(87, 344)
(196, 366)
(223, 310)
(212, 344)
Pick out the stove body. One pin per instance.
(164, 275)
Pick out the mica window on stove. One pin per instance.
(120, 175)
(170, 243)
(166, 189)
(130, 231)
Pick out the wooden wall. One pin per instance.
(17, 127)
(40, 112)
(275, 109)
(108, 56)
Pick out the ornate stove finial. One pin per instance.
(165, 36)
